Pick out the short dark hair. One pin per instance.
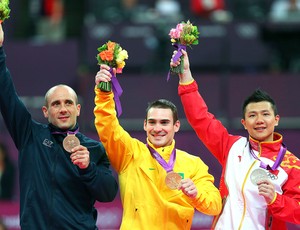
(257, 96)
(163, 104)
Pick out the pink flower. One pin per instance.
(179, 27)
(176, 33)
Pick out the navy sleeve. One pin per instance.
(16, 117)
(98, 176)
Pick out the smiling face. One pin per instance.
(61, 107)
(260, 120)
(160, 126)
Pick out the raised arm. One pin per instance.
(1, 35)
(15, 114)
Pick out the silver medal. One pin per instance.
(258, 175)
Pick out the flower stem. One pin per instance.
(104, 86)
(179, 68)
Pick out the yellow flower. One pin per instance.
(123, 54)
(120, 63)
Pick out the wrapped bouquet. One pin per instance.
(112, 54)
(185, 34)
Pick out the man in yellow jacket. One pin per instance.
(160, 186)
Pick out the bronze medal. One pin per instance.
(258, 175)
(173, 180)
(70, 142)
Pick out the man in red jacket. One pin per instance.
(260, 183)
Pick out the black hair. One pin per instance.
(258, 96)
(163, 104)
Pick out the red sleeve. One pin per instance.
(286, 207)
(209, 130)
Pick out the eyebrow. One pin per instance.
(153, 119)
(59, 101)
(259, 111)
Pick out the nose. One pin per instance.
(259, 119)
(63, 108)
(157, 127)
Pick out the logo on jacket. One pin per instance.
(48, 143)
(273, 174)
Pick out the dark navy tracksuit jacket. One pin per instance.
(54, 193)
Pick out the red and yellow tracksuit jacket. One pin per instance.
(243, 208)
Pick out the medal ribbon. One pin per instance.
(167, 166)
(278, 161)
(66, 132)
(117, 90)
(179, 47)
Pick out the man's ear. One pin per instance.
(78, 109)
(45, 111)
(145, 124)
(177, 126)
(243, 123)
(277, 118)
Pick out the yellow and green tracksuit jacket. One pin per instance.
(147, 202)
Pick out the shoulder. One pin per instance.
(291, 160)
(185, 156)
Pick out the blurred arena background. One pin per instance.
(243, 45)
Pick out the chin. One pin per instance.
(63, 126)
(157, 145)
(260, 138)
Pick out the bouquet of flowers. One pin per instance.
(4, 10)
(111, 54)
(185, 34)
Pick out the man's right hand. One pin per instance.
(186, 76)
(103, 75)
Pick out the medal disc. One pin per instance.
(70, 142)
(258, 175)
(173, 180)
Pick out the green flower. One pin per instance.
(4, 9)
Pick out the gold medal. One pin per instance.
(70, 142)
(173, 180)
(257, 175)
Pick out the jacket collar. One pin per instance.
(265, 148)
(165, 151)
(55, 130)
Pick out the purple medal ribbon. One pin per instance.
(66, 132)
(117, 90)
(179, 47)
(278, 161)
(167, 166)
